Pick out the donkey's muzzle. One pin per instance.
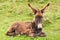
(39, 26)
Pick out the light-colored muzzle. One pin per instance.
(39, 25)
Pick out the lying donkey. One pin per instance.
(29, 28)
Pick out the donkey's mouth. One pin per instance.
(39, 28)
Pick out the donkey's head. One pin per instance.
(38, 16)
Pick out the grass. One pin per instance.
(11, 11)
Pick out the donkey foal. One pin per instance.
(29, 28)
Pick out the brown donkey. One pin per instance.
(38, 19)
(29, 28)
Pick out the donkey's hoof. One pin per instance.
(42, 34)
(32, 35)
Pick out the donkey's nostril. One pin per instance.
(40, 29)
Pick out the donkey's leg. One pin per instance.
(10, 34)
(30, 33)
(18, 32)
(11, 30)
(42, 34)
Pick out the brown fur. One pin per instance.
(21, 28)
(28, 28)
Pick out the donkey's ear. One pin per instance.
(42, 10)
(34, 10)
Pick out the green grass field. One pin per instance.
(12, 11)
